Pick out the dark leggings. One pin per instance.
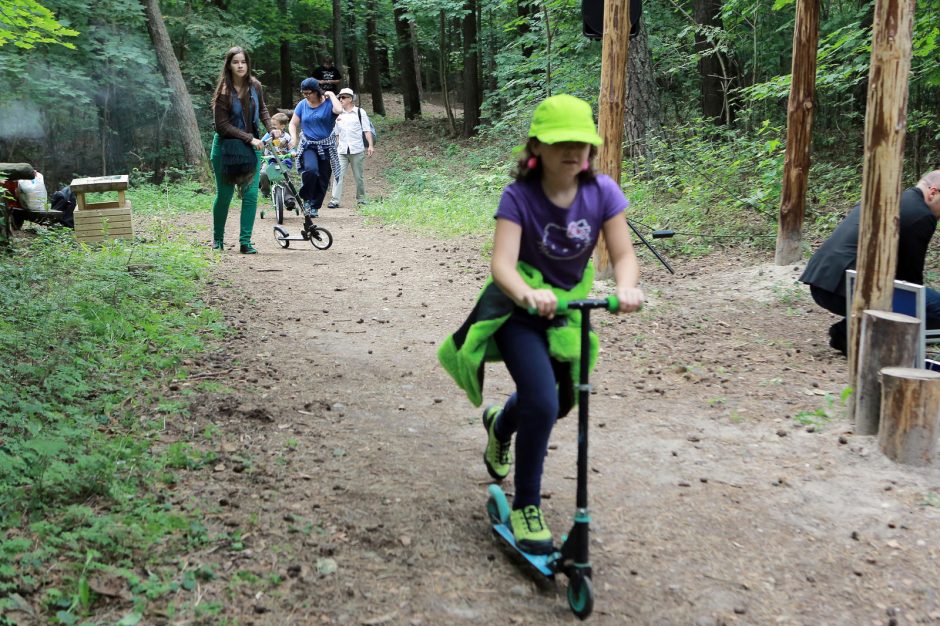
(531, 411)
(314, 176)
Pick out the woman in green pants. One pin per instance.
(238, 108)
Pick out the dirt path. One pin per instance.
(349, 464)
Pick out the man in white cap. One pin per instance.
(354, 141)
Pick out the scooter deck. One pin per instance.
(544, 563)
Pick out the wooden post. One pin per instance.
(799, 132)
(887, 340)
(910, 412)
(610, 104)
(885, 120)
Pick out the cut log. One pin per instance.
(887, 340)
(910, 413)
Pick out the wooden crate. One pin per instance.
(101, 221)
(96, 225)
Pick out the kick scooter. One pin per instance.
(319, 237)
(572, 558)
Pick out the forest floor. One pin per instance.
(726, 487)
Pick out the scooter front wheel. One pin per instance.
(581, 596)
(497, 506)
(320, 238)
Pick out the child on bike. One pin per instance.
(547, 225)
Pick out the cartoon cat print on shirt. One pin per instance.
(559, 242)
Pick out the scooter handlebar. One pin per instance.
(611, 303)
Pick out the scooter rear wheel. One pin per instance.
(281, 236)
(581, 596)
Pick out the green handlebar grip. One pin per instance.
(560, 307)
(613, 303)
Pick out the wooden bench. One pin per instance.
(910, 299)
(103, 220)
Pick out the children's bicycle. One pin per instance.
(571, 558)
(278, 164)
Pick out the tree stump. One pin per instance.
(910, 413)
(887, 339)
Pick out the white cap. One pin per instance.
(347, 91)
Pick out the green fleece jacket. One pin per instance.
(464, 353)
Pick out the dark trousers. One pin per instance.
(531, 411)
(315, 175)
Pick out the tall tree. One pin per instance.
(339, 56)
(445, 86)
(287, 79)
(799, 132)
(471, 71)
(182, 104)
(885, 125)
(375, 63)
(713, 70)
(406, 65)
(643, 114)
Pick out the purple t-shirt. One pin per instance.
(559, 242)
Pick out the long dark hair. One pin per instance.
(226, 83)
(522, 171)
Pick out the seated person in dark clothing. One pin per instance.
(825, 272)
(328, 75)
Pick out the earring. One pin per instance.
(586, 165)
(532, 163)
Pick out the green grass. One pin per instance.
(444, 187)
(87, 334)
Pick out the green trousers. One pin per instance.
(223, 197)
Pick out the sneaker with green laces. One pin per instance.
(529, 530)
(498, 454)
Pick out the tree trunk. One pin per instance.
(887, 340)
(910, 411)
(188, 128)
(445, 87)
(712, 65)
(799, 132)
(471, 75)
(339, 56)
(610, 104)
(416, 58)
(406, 66)
(372, 52)
(525, 12)
(287, 79)
(353, 80)
(885, 121)
(643, 115)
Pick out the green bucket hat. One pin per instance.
(564, 118)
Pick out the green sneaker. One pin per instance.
(529, 530)
(498, 454)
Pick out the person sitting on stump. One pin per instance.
(825, 272)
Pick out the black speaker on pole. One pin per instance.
(592, 15)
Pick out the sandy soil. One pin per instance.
(726, 484)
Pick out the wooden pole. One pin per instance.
(799, 132)
(910, 413)
(885, 120)
(614, 54)
(887, 340)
